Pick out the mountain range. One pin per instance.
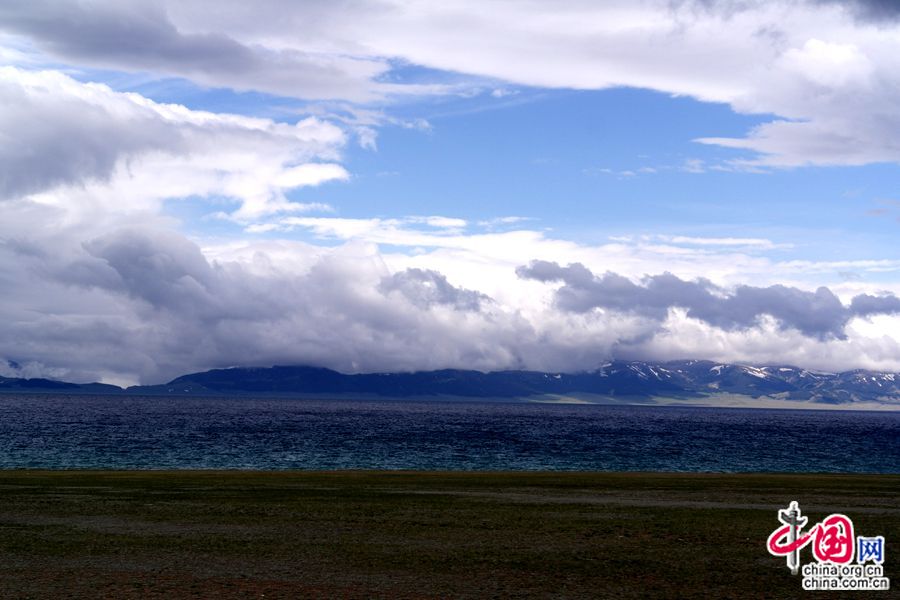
(686, 380)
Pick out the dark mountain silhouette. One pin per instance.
(687, 379)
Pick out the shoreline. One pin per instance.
(712, 401)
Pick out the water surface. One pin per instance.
(106, 432)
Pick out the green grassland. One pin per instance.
(78, 534)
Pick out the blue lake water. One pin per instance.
(76, 432)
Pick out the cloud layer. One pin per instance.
(139, 36)
(818, 314)
(141, 302)
(100, 283)
(827, 70)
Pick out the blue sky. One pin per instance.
(589, 165)
(586, 164)
(208, 189)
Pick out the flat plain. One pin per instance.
(364, 534)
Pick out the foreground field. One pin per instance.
(416, 535)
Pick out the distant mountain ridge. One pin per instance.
(685, 379)
(15, 384)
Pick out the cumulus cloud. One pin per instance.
(56, 131)
(866, 305)
(140, 302)
(426, 288)
(481, 258)
(819, 314)
(82, 144)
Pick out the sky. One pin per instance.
(393, 186)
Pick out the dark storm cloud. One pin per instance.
(138, 36)
(818, 314)
(164, 269)
(49, 139)
(143, 302)
(870, 10)
(425, 288)
(864, 10)
(865, 304)
(81, 141)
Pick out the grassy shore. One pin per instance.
(80, 534)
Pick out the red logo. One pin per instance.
(834, 547)
(832, 538)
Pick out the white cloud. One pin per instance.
(829, 74)
(99, 284)
(87, 148)
(757, 243)
(830, 65)
(309, 174)
(439, 222)
(486, 260)
(131, 299)
(767, 344)
(504, 221)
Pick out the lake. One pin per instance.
(109, 432)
